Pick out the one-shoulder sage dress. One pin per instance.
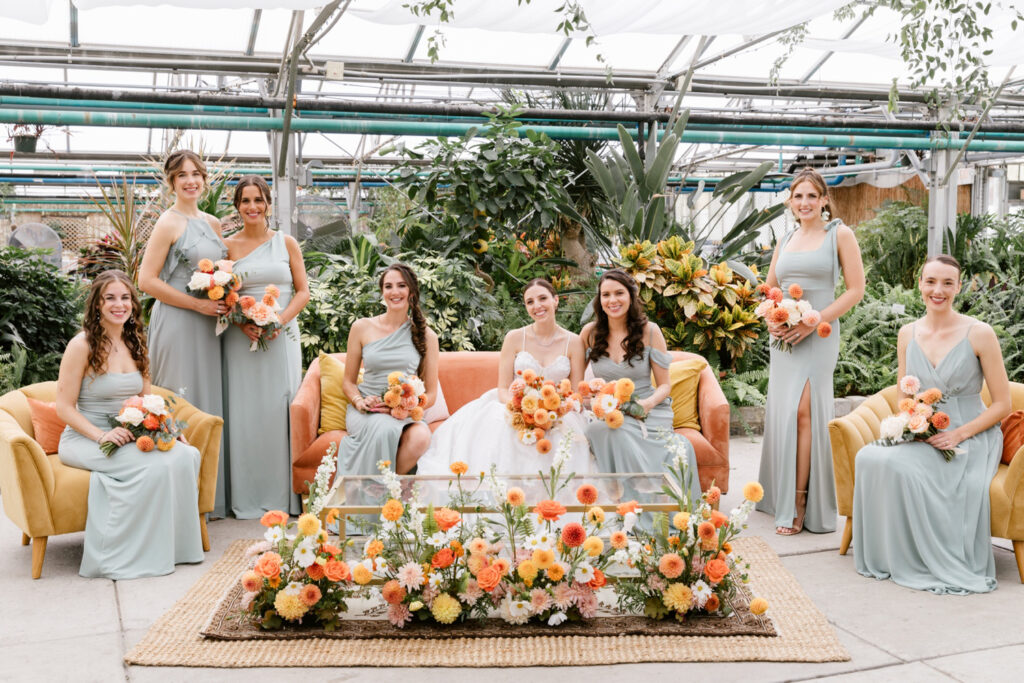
(143, 515)
(917, 519)
(811, 362)
(259, 386)
(184, 349)
(373, 437)
(626, 449)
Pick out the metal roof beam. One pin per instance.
(559, 53)
(673, 55)
(253, 31)
(72, 24)
(825, 57)
(414, 44)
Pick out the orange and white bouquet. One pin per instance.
(536, 406)
(295, 576)
(262, 313)
(611, 401)
(405, 397)
(789, 312)
(217, 281)
(683, 563)
(917, 419)
(148, 418)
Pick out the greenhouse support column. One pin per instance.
(286, 216)
(353, 207)
(941, 200)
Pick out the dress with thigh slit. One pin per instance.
(810, 363)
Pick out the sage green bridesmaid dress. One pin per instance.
(917, 519)
(374, 436)
(626, 449)
(143, 515)
(259, 387)
(812, 363)
(184, 349)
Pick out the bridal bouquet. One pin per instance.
(917, 419)
(216, 281)
(789, 312)
(685, 564)
(262, 313)
(149, 419)
(613, 400)
(405, 397)
(536, 406)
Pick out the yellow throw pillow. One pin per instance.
(684, 377)
(333, 401)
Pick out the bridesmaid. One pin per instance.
(183, 347)
(621, 330)
(796, 458)
(142, 517)
(397, 340)
(260, 385)
(917, 519)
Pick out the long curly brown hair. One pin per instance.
(636, 319)
(419, 322)
(133, 333)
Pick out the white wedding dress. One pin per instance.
(479, 434)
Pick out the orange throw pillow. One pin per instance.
(46, 425)
(1013, 435)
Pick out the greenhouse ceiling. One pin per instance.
(153, 73)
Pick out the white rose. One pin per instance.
(764, 308)
(154, 403)
(132, 416)
(794, 317)
(892, 427)
(629, 521)
(788, 304)
(199, 281)
(418, 388)
(222, 278)
(803, 306)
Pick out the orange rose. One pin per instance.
(550, 510)
(907, 405)
(488, 578)
(272, 290)
(446, 518)
(268, 300)
(940, 420)
(716, 570)
(712, 604)
(336, 570)
(552, 402)
(629, 506)
(315, 571)
(587, 494)
(144, 444)
(273, 518)
(268, 565)
(152, 423)
(598, 579)
(442, 559)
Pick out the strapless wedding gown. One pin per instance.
(479, 434)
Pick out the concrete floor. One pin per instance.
(64, 627)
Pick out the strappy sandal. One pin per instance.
(798, 521)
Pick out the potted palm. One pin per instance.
(25, 136)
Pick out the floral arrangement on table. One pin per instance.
(611, 401)
(405, 397)
(556, 567)
(684, 565)
(262, 313)
(917, 419)
(217, 281)
(148, 418)
(296, 576)
(536, 406)
(789, 312)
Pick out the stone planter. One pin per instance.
(25, 144)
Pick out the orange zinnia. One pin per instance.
(550, 510)
(619, 540)
(712, 604)
(502, 565)
(515, 496)
(719, 518)
(940, 420)
(671, 565)
(587, 494)
(315, 571)
(392, 592)
(392, 510)
(573, 535)
(714, 494)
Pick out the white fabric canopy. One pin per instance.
(607, 17)
(38, 11)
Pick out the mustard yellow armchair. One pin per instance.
(850, 433)
(45, 497)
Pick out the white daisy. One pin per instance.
(584, 573)
(273, 535)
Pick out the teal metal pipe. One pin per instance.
(423, 128)
(49, 102)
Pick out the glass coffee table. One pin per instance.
(366, 494)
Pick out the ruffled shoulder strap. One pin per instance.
(659, 357)
(832, 235)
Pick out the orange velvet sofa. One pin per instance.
(464, 376)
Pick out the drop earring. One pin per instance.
(825, 215)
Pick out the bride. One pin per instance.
(479, 433)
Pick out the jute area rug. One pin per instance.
(804, 635)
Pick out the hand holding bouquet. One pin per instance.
(614, 400)
(216, 281)
(405, 398)
(149, 420)
(261, 313)
(917, 419)
(536, 405)
(789, 313)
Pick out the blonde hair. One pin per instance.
(176, 160)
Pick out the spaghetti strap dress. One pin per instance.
(184, 349)
(917, 519)
(259, 386)
(628, 448)
(811, 362)
(373, 437)
(143, 515)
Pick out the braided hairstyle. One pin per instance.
(636, 319)
(133, 333)
(419, 322)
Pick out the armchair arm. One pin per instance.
(27, 481)
(1012, 485)
(849, 434)
(304, 412)
(714, 412)
(204, 432)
